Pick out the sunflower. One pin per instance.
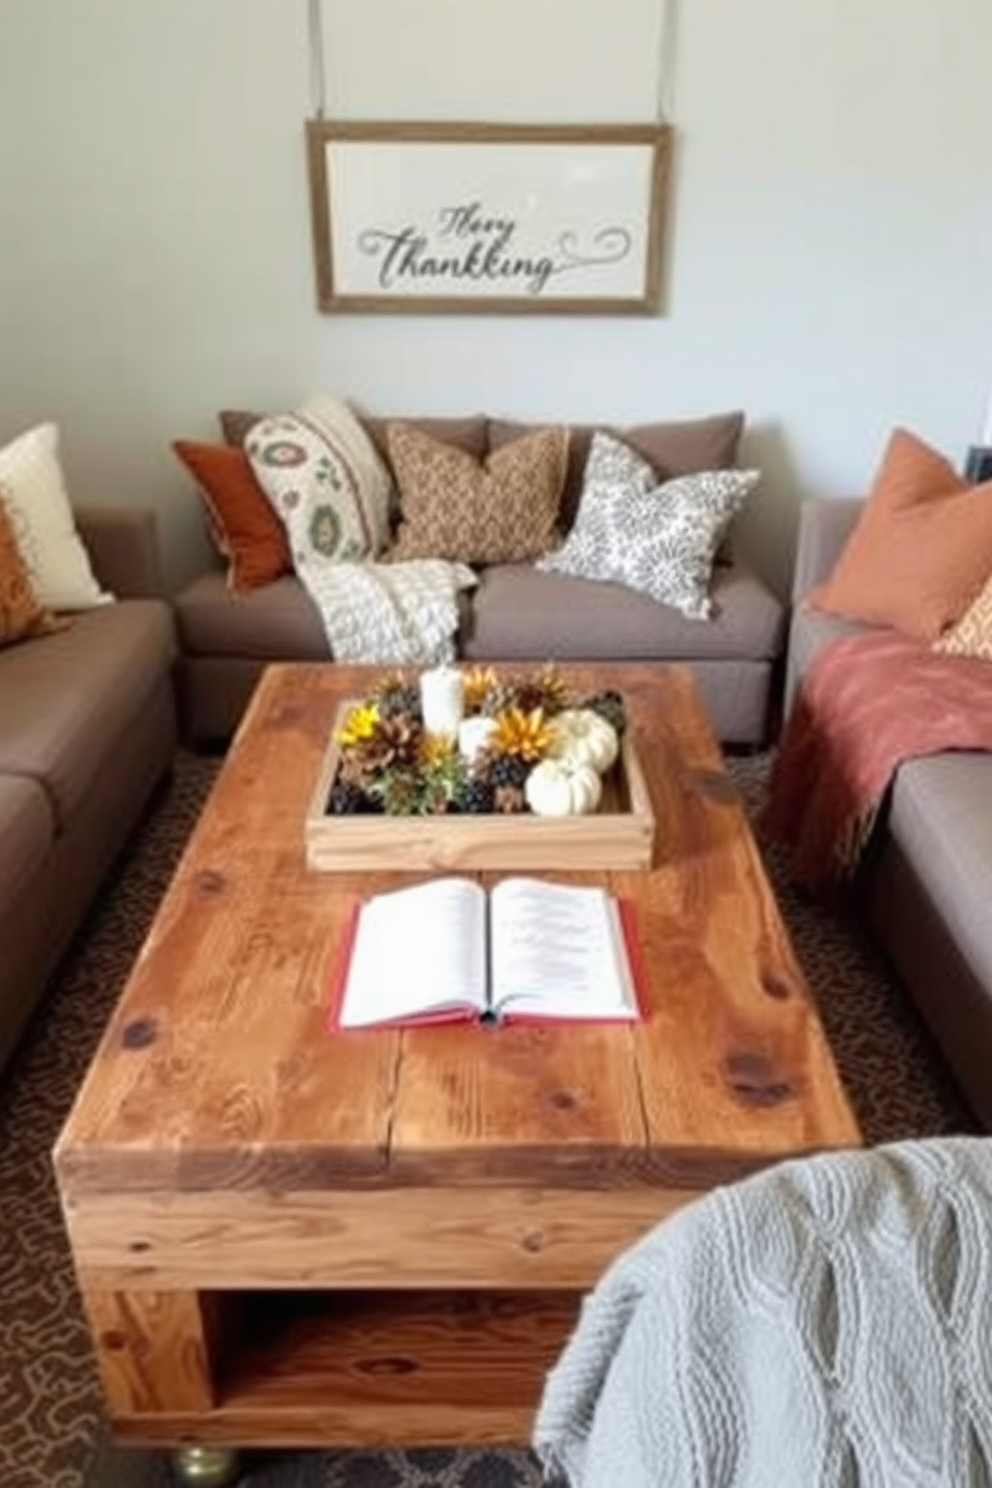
(476, 683)
(359, 725)
(524, 735)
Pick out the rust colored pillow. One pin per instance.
(921, 548)
(243, 524)
(21, 614)
(503, 509)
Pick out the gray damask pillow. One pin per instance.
(659, 539)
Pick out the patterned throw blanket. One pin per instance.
(388, 614)
(826, 1322)
(867, 703)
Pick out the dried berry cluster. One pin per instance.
(390, 764)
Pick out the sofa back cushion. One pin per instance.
(679, 447)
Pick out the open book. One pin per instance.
(446, 951)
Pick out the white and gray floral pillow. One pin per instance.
(660, 539)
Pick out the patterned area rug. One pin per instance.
(50, 1433)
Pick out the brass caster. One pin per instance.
(207, 1467)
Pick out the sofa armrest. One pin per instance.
(123, 548)
(824, 526)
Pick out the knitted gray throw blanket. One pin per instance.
(825, 1324)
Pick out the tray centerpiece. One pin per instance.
(479, 768)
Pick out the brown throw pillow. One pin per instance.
(242, 522)
(921, 548)
(21, 615)
(503, 509)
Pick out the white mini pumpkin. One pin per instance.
(582, 735)
(562, 787)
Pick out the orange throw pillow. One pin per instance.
(246, 529)
(921, 549)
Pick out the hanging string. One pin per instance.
(318, 76)
(668, 45)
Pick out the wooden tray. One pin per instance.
(620, 834)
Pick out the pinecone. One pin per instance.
(498, 699)
(394, 745)
(545, 690)
(609, 705)
(476, 797)
(398, 698)
(509, 798)
(507, 770)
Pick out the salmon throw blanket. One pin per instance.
(867, 703)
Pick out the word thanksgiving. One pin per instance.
(468, 245)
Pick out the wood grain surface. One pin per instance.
(216, 1072)
(377, 1368)
(235, 1179)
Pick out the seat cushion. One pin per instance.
(27, 830)
(519, 613)
(69, 698)
(278, 622)
(941, 817)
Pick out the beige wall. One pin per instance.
(829, 268)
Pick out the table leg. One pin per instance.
(207, 1467)
(154, 1350)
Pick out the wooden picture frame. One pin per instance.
(428, 218)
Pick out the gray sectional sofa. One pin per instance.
(927, 892)
(516, 613)
(87, 727)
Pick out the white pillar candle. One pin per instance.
(473, 735)
(441, 700)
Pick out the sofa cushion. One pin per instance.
(36, 500)
(276, 623)
(27, 829)
(679, 447)
(941, 817)
(517, 613)
(501, 509)
(240, 517)
(660, 539)
(21, 613)
(921, 548)
(326, 481)
(69, 698)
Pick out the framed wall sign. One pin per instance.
(488, 218)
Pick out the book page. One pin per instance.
(558, 951)
(417, 951)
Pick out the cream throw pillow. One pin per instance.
(37, 505)
(325, 479)
(972, 634)
(658, 538)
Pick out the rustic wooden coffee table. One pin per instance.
(287, 1237)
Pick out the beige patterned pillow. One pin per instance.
(21, 614)
(502, 510)
(972, 634)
